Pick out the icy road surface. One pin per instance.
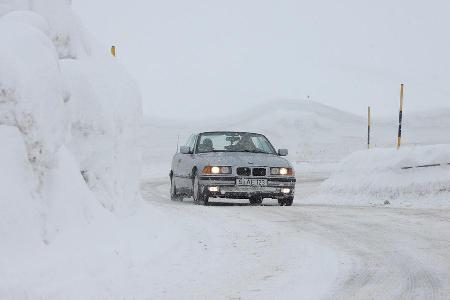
(237, 251)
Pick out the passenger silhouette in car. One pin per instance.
(246, 144)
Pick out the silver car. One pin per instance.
(237, 165)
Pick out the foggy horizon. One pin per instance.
(222, 58)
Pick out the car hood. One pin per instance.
(243, 159)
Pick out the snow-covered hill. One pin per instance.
(310, 130)
(313, 132)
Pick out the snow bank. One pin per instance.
(69, 124)
(19, 206)
(376, 175)
(70, 120)
(105, 119)
(31, 89)
(58, 91)
(63, 26)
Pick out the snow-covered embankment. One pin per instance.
(69, 123)
(410, 176)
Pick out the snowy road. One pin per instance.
(300, 252)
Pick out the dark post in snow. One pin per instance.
(400, 117)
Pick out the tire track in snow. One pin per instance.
(394, 253)
(390, 261)
(248, 256)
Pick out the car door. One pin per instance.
(177, 166)
(186, 163)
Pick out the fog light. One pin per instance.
(225, 170)
(213, 188)
(285, 191)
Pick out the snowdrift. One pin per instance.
(59, 90)
(19, 209)
(417, 175)
(70, 119)
(69, 123)
(105, 119)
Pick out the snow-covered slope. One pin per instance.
(69, 121)
(70, 118)
(310, 130)
(316, 132)
(18, 200)
(313, 132)
(419, 128)
(59, 90)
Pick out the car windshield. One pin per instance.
(234, 142)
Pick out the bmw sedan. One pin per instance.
(234, 165)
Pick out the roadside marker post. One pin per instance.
(400, 117)
(368, 127)
(113, 51)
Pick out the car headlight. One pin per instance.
(282, 171)
(217, 170)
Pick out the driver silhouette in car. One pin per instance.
(206, 145)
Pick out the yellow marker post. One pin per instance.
(113, 51)
(368, 127)
(400, 117)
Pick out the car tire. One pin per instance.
(255, 200)
(286, 202)
(173, 191)
(198, 193)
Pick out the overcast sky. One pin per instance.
(215, 57)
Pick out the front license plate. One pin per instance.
(251, 182)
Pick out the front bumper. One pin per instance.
(276, 187)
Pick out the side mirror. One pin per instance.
(283, 152)
(185, 150)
